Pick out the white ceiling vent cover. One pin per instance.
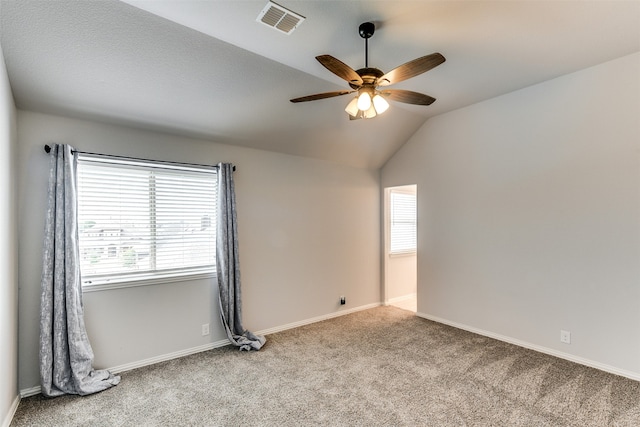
(280, 18)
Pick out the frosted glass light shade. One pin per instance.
(352, 107)
(380, 103)
(364, 101)
(370, 113)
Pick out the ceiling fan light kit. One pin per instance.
(369, 101)
(364, 106)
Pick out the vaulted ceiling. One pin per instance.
(208, 69)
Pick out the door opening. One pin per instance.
(400, 248)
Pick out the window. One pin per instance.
(142, 220)
(403, 227)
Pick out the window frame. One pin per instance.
(171, 275)
(406, 252)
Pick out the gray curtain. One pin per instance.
(65, 353)
(227, 264)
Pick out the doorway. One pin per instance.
(400, 248)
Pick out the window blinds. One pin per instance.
(403, 226)
(143, 218)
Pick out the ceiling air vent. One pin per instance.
(280, 18)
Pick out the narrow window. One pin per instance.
(403, 225)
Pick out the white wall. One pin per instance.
(8, 251)
(309, 232)
(401, 276)
(529, 214)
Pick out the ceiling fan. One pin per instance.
(371, 99)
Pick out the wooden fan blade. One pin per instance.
(321, 96)
(340, 69)
(407, 96)
(411, 69)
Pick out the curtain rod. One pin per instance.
(47, 149)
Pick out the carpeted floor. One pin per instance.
(379, 367)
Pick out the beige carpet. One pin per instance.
(379, 367)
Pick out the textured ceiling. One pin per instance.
(208, 69)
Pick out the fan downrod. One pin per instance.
(366, 30)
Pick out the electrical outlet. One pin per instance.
(205, 329)
(565, 337)
(343, 300)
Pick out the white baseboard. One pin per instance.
(145, 362)
(402, 298)
(315, 319)
(221, 343)
(12, 411)
(32, 391)
(169, 356)
(566, 356)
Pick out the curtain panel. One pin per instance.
(228, 264)
(65, 353)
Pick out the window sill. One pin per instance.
(132, 282)
(403, 254)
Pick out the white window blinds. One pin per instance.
(140, 219)
(403, 226)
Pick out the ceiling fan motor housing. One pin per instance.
(369, 77)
